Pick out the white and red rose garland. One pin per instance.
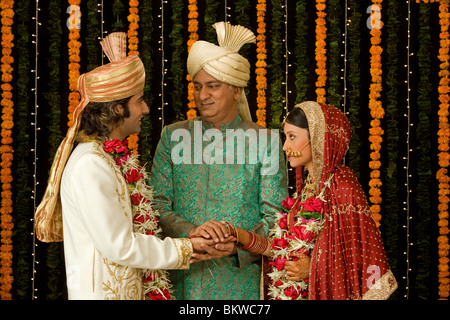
(286, 240)
(156, 284)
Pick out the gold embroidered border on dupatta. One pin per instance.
(316, 124)
(383, 288)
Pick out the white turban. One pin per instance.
(223, 62)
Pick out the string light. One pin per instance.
(344, 55)
(163, 65)
(344, 69)
(226, 8)
(286, 56)
(34, 150)
(102, 22)
(286, 75)
(408, 152)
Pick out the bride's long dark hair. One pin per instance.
(297, 118)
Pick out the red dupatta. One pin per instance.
(348, 260)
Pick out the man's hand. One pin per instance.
(213, 230)
(219, 250)
(199, 244)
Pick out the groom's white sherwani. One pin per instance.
(103, 255)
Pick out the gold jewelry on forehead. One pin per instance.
(296, 154)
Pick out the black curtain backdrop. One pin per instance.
(411, 245)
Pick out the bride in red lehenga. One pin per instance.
(327, 246)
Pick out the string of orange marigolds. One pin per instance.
(133, 41)
(321, 58)
(193, 36)
(443, 147)
(74, 66)
(6, 151)
(444, 156)
(377, 113)
(261, 64)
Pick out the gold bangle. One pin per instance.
(233, 232)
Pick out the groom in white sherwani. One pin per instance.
(97, 200)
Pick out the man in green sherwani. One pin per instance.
(219, 167)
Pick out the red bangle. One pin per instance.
(256, 244)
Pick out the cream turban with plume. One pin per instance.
(223, 62)
(123, 77)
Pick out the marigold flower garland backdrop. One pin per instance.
(385, 63)
(6, 150)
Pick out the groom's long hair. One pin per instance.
(100, 118)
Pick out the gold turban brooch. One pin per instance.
(223, 62)
(123, 77)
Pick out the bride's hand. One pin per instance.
(299, 269)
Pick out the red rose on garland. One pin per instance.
(313, 205)
(116, 146)
(159, 295)
(133, 175)
(283, 222)
(279, 263)
(288, 203)
(138, 198)
(140, 219)
(280, 244)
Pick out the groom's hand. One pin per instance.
(219, 250)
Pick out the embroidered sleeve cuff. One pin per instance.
(185, 250)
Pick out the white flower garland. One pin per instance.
(281, 288)
(287, 240)
(156, 284)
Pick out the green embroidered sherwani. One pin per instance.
(198, 177)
